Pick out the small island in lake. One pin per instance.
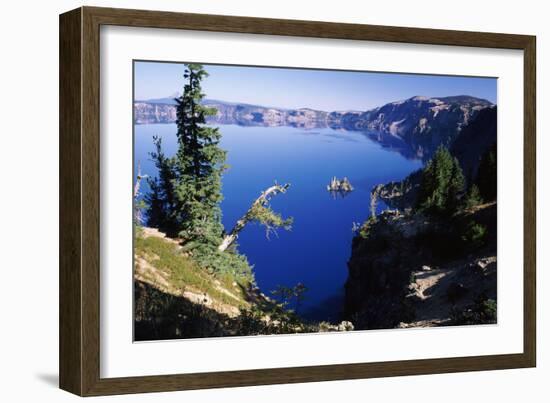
(340, 185)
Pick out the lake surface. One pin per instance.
(317, 249)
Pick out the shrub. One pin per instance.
(222, 263)
(475, 234)
(365, 230)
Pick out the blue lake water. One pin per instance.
(316, 250)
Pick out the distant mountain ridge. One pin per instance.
(416, 126)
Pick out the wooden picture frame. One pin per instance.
(80, 186)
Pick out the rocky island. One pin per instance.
(340, 185)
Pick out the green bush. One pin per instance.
(222, 263)
(475, 234)
(365, 229)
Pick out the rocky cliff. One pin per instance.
(423, 123)
(409, 269)
(152, 112)
(474, 140)
(414, 127)
(164, 111)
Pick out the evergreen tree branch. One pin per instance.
(261, 212)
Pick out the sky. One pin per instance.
(327, 90)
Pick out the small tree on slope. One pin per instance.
(442, 183)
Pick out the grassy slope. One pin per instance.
(160, 263)
(176, 298)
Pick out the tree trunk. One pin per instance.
(139, 177)
(246, 218)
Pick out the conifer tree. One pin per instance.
(456, 186)
(473, 197)
(198, 165)
(442, 183)
(160, 199)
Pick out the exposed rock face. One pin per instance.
(422, 123)
(146, 113)
(254, 115)
(411, 270)
(401, 194)
(415, 126)
(164, 111)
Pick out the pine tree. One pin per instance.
(442, 183)
(456, 186)
(473, 197)
(160, 199)
(198, 165)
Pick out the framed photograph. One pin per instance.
(249, 201)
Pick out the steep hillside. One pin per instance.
(176, 298)
(474, 140)
(410, 269)
(421, 123)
